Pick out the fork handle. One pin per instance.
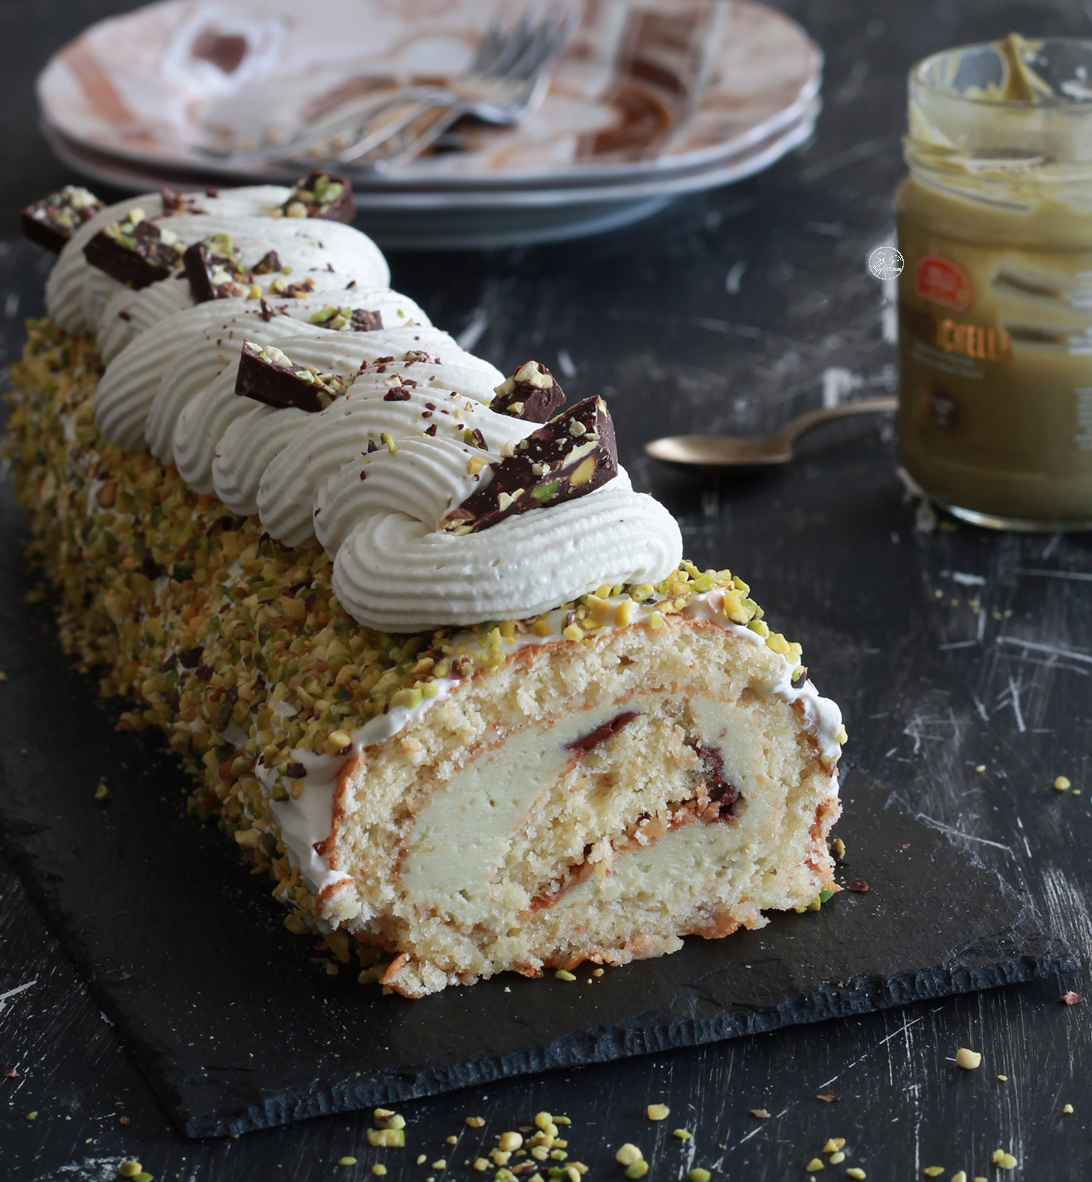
(370, 141)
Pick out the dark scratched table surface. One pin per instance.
(729, 311)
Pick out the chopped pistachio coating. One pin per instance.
(268, 375)
(571, 455)
(135, 251)
(232, 644)
(51, 221)
(319, 195)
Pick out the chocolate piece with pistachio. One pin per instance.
(174, 201)
(353, 319)
(135, 251)
(319, 195)
(571, 455)
(268, 375)
(215, 270)
(54, 219)
(531, 394)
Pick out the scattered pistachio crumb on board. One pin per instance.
(658, 1112)
(967, 1059)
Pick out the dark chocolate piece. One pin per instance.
(320, 195)
(267, 375)
(174, 201)
(571, 455)
(354, 319)
(135, 251)
(268, 263)
(531, 394)
(215, 270)
(52, 221)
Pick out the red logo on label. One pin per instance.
(940, 281)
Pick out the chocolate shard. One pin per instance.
(268, 263)
(571, 455)
(215, 270)
(135, 251)
(531, 394)
(52, 220)
(268, 375)
(174, 201)
(319, 195)
(353, 319)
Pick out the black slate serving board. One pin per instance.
(237, 1029)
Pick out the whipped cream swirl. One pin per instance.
(374, 473)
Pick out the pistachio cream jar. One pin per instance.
(995, 299)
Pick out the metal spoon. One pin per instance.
(728, 451)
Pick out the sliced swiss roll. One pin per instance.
(594, 799)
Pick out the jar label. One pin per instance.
(940, 281)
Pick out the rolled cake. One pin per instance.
(433, 663)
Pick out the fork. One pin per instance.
(505, 85)
(506, 82)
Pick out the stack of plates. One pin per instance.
(652, 98)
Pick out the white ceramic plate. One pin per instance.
(483, 219)
(647, 88)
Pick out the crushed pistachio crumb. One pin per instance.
(682, 1134)
(834, 1144)
(379, 1169)
(814, 1165)
(475, 1122)
(837, 1158)
(130, 1168)
(637, 1169)
(856, 1172)
(1068, 1109)
(346, 1161)
(933, 1171)
(628, 1154)
(565, 975)
(967, 1059)
(1062, 784)
(760, 1114)
(101, 791)
(699, 1175)
(658, 1112)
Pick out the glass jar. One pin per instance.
(995, 298)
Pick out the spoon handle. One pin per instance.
(793, 430)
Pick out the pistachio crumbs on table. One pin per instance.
(434, 665)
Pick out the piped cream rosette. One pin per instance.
(422, 353)
(394, 570)
(146, 387)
